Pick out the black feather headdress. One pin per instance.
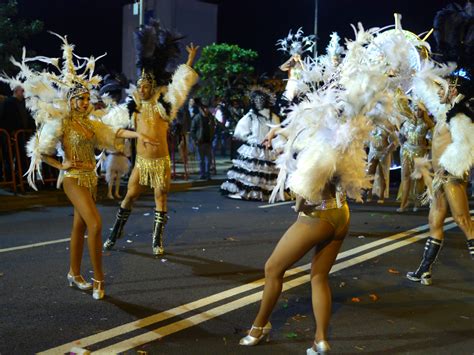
(156, 47)
(454, 35)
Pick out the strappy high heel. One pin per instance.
(322, 348)
(81, 285)
(251, 340)
(98, 293)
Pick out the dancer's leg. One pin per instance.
(303, 235)
(83, 202)
(322, 262)
(134, 190)
(456, 195)
(76, 245)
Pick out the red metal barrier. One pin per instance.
(50, 175)
(7, 165)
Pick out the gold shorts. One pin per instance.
(84, 178)
(338, 218)
(155, 173)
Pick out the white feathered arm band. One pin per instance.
(458, 158)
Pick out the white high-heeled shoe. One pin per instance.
(81, 285)
(322, 348)
(251, 340)
(98, 293)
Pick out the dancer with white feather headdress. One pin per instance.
(66, 122)
(324, 162)
(451, 103)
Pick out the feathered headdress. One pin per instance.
(296, 43)
(155, 48)
(48, 95)
(257, 90)
(454, 35)
(334, 49)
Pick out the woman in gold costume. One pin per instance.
(414, 135)
(323, 161)
(64, 116)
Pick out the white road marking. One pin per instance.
(159, 317)
(276, 204)
(180, 325)
(35, 245)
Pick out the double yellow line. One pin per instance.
(376, 248)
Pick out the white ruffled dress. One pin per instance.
(254, 173)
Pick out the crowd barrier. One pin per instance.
(14, 162)
(7, 163)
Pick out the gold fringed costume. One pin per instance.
(155, 173)
(81, 136)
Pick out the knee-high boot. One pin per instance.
(158, 230)
(423, 273)
(117, 230)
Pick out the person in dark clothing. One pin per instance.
(202, 132)
(13, 113)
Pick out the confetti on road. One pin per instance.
(361, 236)
(129, 241)
(231, 239)
(291, 335)
(342, 284)
(146, 214)
(355, 299)
(464, 317)
(374, 297)
(195, 208)
(393, 271)
(361, 348)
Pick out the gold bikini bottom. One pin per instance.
(338, 218)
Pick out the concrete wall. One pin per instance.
(195, 20)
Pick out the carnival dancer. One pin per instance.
(60, 103)
(253, 174)
(452, 149)
(296, 45)
(153, 106)
(324, 161)
(383, 141)
(414, 135)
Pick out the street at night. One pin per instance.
(220, 177)
(202, 295)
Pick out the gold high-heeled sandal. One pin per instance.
(81, 285)
(251, 340)
(98, 293)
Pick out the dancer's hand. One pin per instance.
(267, 141)
(192, 51)
(66, 164)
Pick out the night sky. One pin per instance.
(95, 26)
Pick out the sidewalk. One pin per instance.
(50, 196)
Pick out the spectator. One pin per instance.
(202, 132)
(13, 112)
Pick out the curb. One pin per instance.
(54, 197)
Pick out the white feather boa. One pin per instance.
(458, 157)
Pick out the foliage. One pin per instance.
(225, 70)
(13, 34)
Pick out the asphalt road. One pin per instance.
(202, 295)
